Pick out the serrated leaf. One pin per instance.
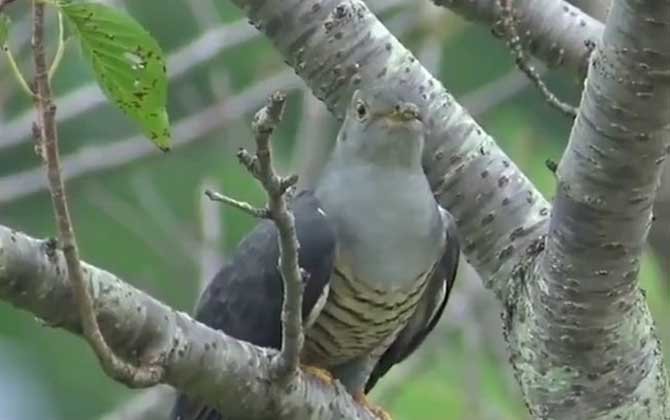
(4, 28)
(128, 64)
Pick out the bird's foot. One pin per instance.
(320, 373)
(376, 410)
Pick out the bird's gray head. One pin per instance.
(380, 127)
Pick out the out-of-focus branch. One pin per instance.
(212, 233)
(91, 159)
(151, 404)
(5, 3)
(88, 97)
(659, 236)
(204, 48)
(312, 141)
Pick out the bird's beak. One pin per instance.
(405, 112)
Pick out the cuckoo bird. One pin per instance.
(380, 256)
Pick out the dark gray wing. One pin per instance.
(429, 309)
(244, 299)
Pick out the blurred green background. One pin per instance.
(140, 214)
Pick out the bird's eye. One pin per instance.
(361, 111)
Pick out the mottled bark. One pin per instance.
(554, 31)
(224, 371)
(585, 340)
(579, 332)
(554, 319)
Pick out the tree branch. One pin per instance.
(46, 122)
(337, 45)
(5, 3)
(556, 32)
(198, 360)
(260, 166)
(585, 305)
(510, 32)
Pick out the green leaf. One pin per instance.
(4, 28)
(128, 64)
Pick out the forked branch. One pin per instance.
(260, 167)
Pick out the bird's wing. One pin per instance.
(244, 299)
(429, 309)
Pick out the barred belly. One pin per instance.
(356, 319)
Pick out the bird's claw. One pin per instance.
(320, 373)
(376, 410)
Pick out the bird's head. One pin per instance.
(381, 127)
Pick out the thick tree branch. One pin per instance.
(585, 309)
(198, 360)
(554, 31)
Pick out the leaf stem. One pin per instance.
(61, 47)
(17, 72)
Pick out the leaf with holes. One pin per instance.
(4, 28)
(128, 64)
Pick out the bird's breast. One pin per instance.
(357, 319)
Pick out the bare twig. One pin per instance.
(261, 213)
(46, 109)
(508, 24)
(261, 167)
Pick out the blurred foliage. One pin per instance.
(121, 215)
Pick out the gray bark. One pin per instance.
(543, 30)
(587, 321)
(581, 339)
(223, 371)
(554, 31)
(572, 340)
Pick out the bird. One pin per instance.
(379, 253)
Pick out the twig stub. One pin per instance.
(506, 27)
